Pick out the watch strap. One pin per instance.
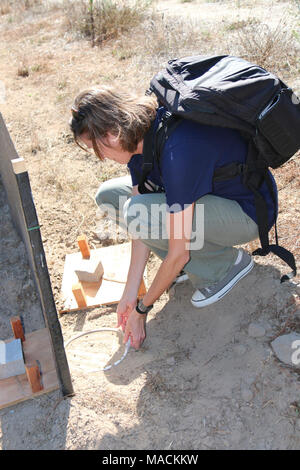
(141, 308)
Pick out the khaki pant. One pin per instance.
(222, 221)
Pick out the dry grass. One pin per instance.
(34, 66)
(240, 24)
(289, 173)
(23, 69)
(5, 7)
(104, 20)
(167, 37)
(140, 34)
(274, 48)
(11, 6)
(148, 45)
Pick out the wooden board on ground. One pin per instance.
(36, 347)
(115, 260)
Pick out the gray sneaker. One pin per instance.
(208, 295)
(182, 276)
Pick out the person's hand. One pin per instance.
(135, 329)
(125, 307)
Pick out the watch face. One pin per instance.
(142, 307)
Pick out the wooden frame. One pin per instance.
(37, 350)
(17, 186)
(108, 290)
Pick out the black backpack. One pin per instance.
(230, 92)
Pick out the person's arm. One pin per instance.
(179, 227)
(179, 231)
(138, 261)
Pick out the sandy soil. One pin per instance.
(200, 381)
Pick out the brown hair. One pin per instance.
(99, 110)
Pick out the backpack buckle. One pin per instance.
(241, 168)
(165, 117)
(147, 165)
(243, 171)
(149, 92)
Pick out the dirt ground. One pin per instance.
(201, 380)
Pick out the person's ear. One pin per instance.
(111, 140)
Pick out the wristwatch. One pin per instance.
(141, 308)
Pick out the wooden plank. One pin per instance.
(43, 283)
(84, 246)
(89, 270)
(109, 289)
(37, 347)
(142, 289)
(17, 328)
(79, 295)
(34, 377)
(18, 165)
(8, 153)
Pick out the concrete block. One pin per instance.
(11, 359)
(89, 270)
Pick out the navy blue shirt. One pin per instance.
(188, 162)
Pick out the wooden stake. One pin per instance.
(79, 295)
(17, 328)
(142, 289)
(34, 376)
(84, 246)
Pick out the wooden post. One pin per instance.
(84, 246)
(34, 376)
(142, 289)
(17, 328)
(79, 295)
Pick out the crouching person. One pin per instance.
(190, 223)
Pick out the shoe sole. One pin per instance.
(226, 289)
(181, 279)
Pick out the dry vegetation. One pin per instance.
(102, 21)
(11, 6)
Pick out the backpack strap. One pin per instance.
(255, 175)
(166, 127)
(154, 142)
(229, 171)
(148, 158)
